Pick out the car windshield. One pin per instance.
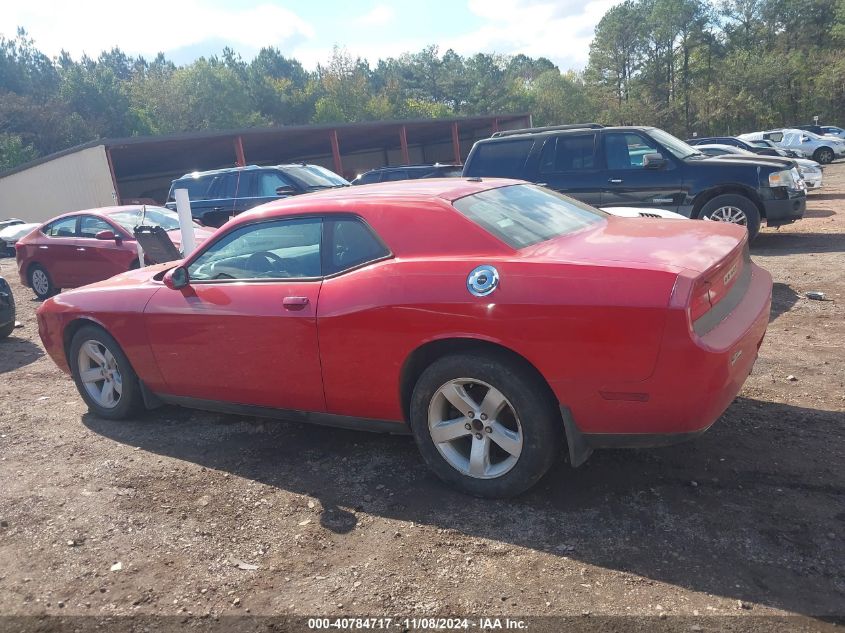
(153, 216)
(674, 144)
(522, 215)
(314, 176)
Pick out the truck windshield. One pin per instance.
(674, 144)
(314, 177)
(522, 215)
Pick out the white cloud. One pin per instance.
(379, 15)
(560, 31)
(91, 26)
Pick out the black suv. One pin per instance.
(217, 195)
(642, 167)
(408, 172)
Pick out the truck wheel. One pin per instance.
(484, 425)
(823, 155)
(735, 209)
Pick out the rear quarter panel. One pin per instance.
(578, 325)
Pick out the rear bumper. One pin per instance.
(695, 380)
(786, 210)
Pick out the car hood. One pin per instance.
(768, 160)
(764, 164)
(660, 244)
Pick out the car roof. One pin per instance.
(515, 135)
(226, 170)
(447, 189)
(427, 190)
(103, 211)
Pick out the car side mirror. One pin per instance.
(654, 161)
(285, 190)
(107, 235)
(176, 278)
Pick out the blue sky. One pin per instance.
(186, 29)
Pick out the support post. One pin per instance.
(495, 124)
(456, 143)
(240, 159)
(186, 221)
(113, 177)
(403, 143)
(338, 164)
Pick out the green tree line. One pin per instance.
(683, 65)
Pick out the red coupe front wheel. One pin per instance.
(103, 375)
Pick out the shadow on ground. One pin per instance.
(826, 196)
(752, 510)
(783, 298)
(17, 352)
(776, 243)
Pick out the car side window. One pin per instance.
(500, 158)
(90, 225)
(625, 150)
(572, 152)
(280, 249)
(223, 187)
(351, 243)
(61, 228)
(269, 181)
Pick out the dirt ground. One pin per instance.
(747, 521)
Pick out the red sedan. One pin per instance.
(80, 248)
(495, 320)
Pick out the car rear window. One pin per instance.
(522, 215)
(499, 158)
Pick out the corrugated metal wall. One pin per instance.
(81, 180)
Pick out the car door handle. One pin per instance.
(44, 247)
(614, 181)
(295, 303)
(81, 248)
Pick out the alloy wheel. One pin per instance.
(40, 282)
(99, 374)
(731, 214)
(475, 428)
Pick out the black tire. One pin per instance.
(37, 286)
(539, 421)
(746, 206)
(131, 399)
(823, 155)
(7, 329)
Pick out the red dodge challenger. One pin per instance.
(495, 320)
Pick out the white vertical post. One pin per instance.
(141, 262)
(186, 221)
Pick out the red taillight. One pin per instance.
(701, 300)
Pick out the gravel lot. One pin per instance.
(167, 514)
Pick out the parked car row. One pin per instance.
(823, 149)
